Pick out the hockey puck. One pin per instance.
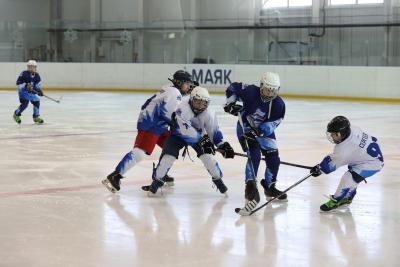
(237, 210)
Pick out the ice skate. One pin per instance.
(113, 182)
(17, 118)
(169, 181)
(252, 197)
(271, 191)
(220, 185)
(38, 120)
(333, 204)
(153, 187)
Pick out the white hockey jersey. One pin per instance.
(359, 151)
(156, 112)
(191, 128)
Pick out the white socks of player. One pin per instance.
(346, 183)
(164, 165)
(130, 159)
(211, 165)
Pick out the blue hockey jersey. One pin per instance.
(262, 116)
(34, 80)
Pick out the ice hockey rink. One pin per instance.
(55, 211)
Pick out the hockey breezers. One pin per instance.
(237, 210)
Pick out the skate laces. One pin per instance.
(186, 151)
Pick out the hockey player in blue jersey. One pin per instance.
(354, 148)
(153, 123)
(262, 112)
(28, 83)
(196, 126)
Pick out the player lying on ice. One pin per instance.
(262, 112)
(193, 125)
(354, 148)
(153, 123)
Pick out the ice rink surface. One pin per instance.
(55, 212)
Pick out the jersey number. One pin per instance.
(373, 149)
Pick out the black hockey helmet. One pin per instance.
(183, 76)
(339, 125)
(180, 77)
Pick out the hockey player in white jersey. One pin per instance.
(153, 123)
(354, 148)
(196, 126)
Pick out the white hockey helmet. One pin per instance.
(199, 99)
(32, 65)
(269, 86)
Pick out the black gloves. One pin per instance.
(250, 136)
(206, 145)
(232, 108)
(193, 85)
(226, 150)
(315, 171)
(29, 87)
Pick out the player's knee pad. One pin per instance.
(211, 165)
(138, 154)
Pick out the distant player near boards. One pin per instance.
(28, 83)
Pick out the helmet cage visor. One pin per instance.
(199, 104)
(31, 68)
(268, 92)
(334, 138)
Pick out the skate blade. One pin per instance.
(151, 194)
(243, 212)
(169, 184)
(109, 186)
(341, 209)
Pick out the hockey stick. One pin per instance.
(253, 173)
(251, 204)
(272, 199)
(52, 99)
(282, 162)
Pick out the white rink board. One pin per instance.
(372, 82)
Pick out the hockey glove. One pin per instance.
(193, 85)
(250, 136)
(315, 171)
(233, 108)
(226, 150)
(29, 87)
(40, 93)
(206, 145)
